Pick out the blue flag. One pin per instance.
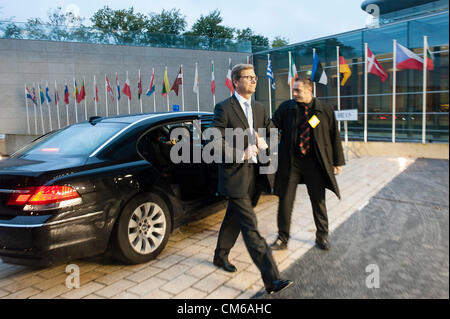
(269, 73)
(41, 94)
(318, 73)
(47, 95)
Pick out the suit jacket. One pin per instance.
(327, 145)
(233, 177)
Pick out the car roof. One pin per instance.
(150, 117)
(132, 120)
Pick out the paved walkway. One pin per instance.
(184, 270)
(396, 247)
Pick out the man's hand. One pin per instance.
(251, 150)
(337, 170)
(260, 142)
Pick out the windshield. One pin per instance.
(76, 140)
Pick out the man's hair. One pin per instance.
(306, 81)
(237, 70)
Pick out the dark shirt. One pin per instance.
(300, 120)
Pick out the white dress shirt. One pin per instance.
(246, 106)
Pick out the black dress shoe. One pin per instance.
(225, 265)
(323, 244)
(278, 245)
(278, 285)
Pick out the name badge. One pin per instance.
(314, 121)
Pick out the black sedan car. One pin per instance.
(106, 184)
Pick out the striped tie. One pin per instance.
(304, 134)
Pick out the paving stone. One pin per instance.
(84, 290)
(178, 284)
(191, 293)
(145, 287)
(115, 288)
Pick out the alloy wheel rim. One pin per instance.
(146, 228)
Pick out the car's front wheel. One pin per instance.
(142, 230)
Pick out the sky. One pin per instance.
(295, 20)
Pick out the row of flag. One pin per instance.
(79, 94)
(406, 59)
(403, 59)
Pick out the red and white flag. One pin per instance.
(213, 79)
(228, 81)
(109, 88)
(374, 67)
(178, 81)
(126, 89)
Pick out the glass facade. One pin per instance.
(409, 86)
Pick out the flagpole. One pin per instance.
(338, 68)
(106, 96)
(198, 88)
(229, 63)
(154, 93)
(290, 70)
(40, 109)
(26, 104)
(95, 97)
(140, 89)
(424, 94)
(57, 104)
(129, 105)
(394, 88)
(270, 90)
(167, 95)
(182, 87)
(34, 110)
(117, 97)
(85, 102)
(67, 105)
(365, 92)
(48, 106)
(214, 94)
(314, 83)
(75, 101)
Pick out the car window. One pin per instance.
(123, 150)
(76, 140)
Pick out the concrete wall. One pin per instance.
(413, 150)
(33, 61)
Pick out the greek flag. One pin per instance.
(269, 73)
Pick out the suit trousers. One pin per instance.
(309, 171)
(240, 217)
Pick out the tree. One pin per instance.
(255, 39)
(123, 25)
(168, 21)
(279, 42)
(209, 26)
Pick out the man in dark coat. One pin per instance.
(310, 152)
(238, 177)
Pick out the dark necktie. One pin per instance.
(304, 133)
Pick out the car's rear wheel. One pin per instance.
(142, 230)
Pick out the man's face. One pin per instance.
(246, 84)
(302, 93)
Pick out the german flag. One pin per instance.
(344, 69)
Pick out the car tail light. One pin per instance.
(45, 197)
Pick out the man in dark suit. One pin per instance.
(237, 178)
(310, 152)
